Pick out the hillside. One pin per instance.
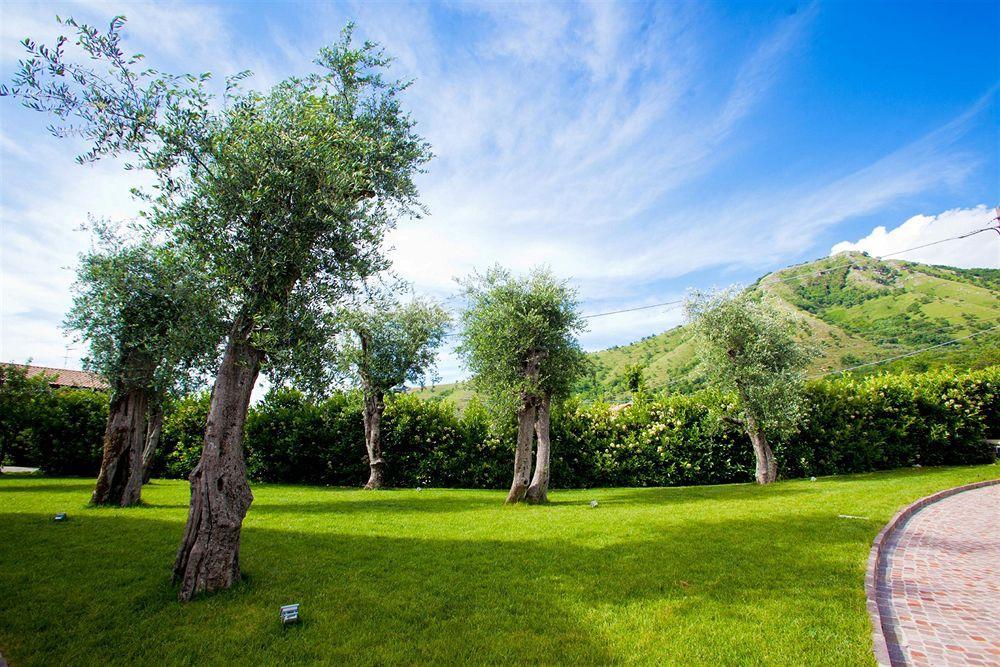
(852, 309)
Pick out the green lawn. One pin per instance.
(733, 574)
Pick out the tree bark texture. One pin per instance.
(522, 455)
(526, 414)
(209, 554)
(154, 426)
(374, 406)
(119, 481)
(767, 467)
(538, 492)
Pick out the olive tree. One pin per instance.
(747, 347)
(519, 341)
(382, 347)
(285, 195)
(148, 318)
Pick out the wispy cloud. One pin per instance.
(597, 138)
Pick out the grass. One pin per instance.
(733, 574)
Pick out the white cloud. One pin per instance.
(979, 251)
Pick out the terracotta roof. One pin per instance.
(65, 377)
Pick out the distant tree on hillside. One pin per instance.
(382, 347)
(519, 341)
(748, 348)
(634, 377)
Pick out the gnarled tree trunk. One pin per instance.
(154, 426)
(522, 455)
(767, 467)
(374, 406)
(209, 554)
(119, 481)
(526, 414)
(538, 492)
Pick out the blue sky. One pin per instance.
(637, 149)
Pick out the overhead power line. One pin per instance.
(801, 276)
(907, 354)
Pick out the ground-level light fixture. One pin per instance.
(290, 614)
(59, 517)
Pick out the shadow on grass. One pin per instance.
(354, 501)
(99, 586)
(8, 487)
(686, 495)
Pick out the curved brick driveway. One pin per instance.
(943, 582)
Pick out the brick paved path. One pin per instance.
(944, 581)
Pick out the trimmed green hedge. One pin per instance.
(59, 431)
(851, 425)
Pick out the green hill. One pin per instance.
(852, 309)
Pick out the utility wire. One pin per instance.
(803, 276)
(680, 380)
(908, 354)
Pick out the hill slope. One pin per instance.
(851, 308)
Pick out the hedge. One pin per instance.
(850, 425)
(59, 431)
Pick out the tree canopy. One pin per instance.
(147, 313)
(385, 346)
(748, 346)
(509, 322)
(285, 195)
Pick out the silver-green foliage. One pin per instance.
(508, 322)
(146, 311)
(384, 346)
(285, 195)
(747, 346)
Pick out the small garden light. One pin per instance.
(60, 517)
(290, 614)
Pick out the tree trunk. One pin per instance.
(538, 492)
(767, 467)
(374, 406)
(209, 554)
(119, 481)
(522, 455)
(154, 426)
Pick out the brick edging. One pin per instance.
(886, 645)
